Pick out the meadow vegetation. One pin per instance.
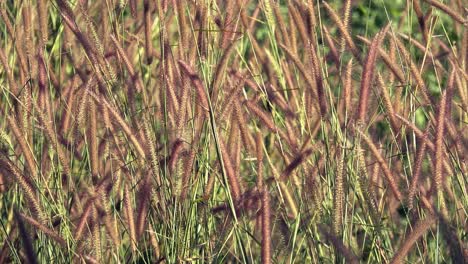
(269, 131)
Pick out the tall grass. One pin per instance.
(233, 131)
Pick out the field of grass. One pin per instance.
(298, 131)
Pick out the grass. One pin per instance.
(233, 131)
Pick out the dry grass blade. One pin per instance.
(452, 13)
(343, 30)
(93, 138)
(183, 25)
(321, 96)
(245, 135)
(230, 129)
(220, 71)
(229, 25)
(387, 102)
(26, 238)
(9, 73)
(96, 236)
(197, 83)
(422, 23)
(414, 70)
(122, 124)
(368, 74)
(52, 136)
(349, 256)
(135, 80)
(11, 32)
(147, 6)
(266, 227)
(234, 184)
(300, 66)
(331, 45)
(6, 20)
(26, 184)
(439, 150)
(388, 61)
(259, 154)
(417, 170)
(454, 242)
(130, 219)
(299, 20)
(346, 16)
(388, 174)
(420, 136)
(282, 26)
(419, 230)
(296, 162)
(348, 88)
(83, 220)
(47, 231)
(43, 16)
(338, 198)
(25, 147)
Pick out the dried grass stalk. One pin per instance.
(26, 238)
(114, 113)
(233, 179)
(388, 61)
(452, 13)
(47, 231)
(414, 70)
(42, 14)
(259, 154)
(25, 147)
(368, 74)
(9, 74)
(93, 138)
(26, 184)
(338, 198)
(197, 83)
(349, 256)
(316, 70)
(53, 138)
(131, 70)
(419, 230)
(18, 39)
(417, 170)
(388, 174)
(343, 30)
(96, 236)
(266, 227)
(348, 88)
(130, 219)
(439, 152)
(147, 6)
(282, 25)
(300, 66)
(331, 45)
(83, 221)
(346, 16)
(387, 102)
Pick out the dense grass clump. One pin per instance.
(233, 131)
